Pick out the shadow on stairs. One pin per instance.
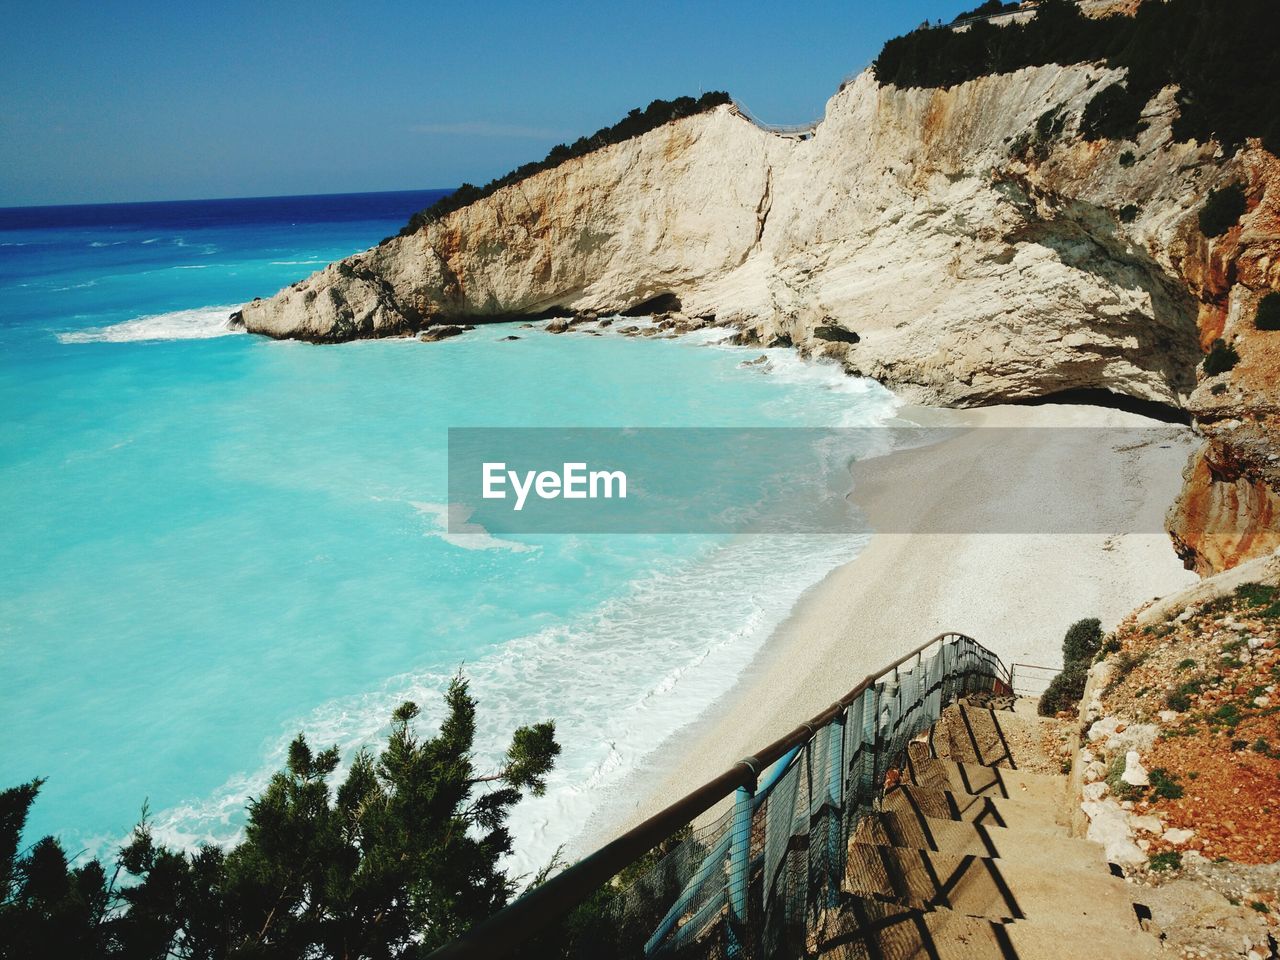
(968, 856)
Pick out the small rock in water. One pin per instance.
(432, 334)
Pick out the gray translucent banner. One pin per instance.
(815, 481)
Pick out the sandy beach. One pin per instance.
(1015, 592)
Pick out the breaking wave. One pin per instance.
(199, 324)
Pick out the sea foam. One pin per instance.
(199, 324)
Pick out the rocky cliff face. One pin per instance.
(1229, 510)
(978, 248)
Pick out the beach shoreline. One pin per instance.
(1014, 592)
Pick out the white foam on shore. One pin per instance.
(202, 323)
(617, 682)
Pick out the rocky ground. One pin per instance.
(1181, 765)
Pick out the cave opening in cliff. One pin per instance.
(663, 303)
(1101, 397)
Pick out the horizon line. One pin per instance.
(268, 196)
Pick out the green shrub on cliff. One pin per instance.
(400, 859)
(1221, 357)
(1114, 113)
(1222, 209)
(1082, 641)
(1080, 645)
(1268, 315)
(988, 9)
(634, 124)
(1065, 690)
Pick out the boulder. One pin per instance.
(1109, 826)
(836, 334)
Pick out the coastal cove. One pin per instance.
(819, 510)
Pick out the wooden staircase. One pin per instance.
(969, 858)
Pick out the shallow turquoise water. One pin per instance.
(213, 542)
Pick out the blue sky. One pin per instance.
(152, 99)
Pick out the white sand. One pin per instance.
(1014, 592)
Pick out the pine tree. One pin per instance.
(404, 856)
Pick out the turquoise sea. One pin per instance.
(213, 540)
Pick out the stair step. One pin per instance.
(986, 887)
(897, 829)
(1027, 815)
(863, 929)
(1023, 734)
(936, 774)
(973, 735)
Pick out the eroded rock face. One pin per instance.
(1229, 510)
(977, 260)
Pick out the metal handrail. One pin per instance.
(537, 909)
(1039, 673)
(783, 129)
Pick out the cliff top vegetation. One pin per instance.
(1222, 56)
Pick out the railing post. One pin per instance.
(739, 868)
(835, 798)
(876, 727)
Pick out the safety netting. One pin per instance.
(763, 873)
